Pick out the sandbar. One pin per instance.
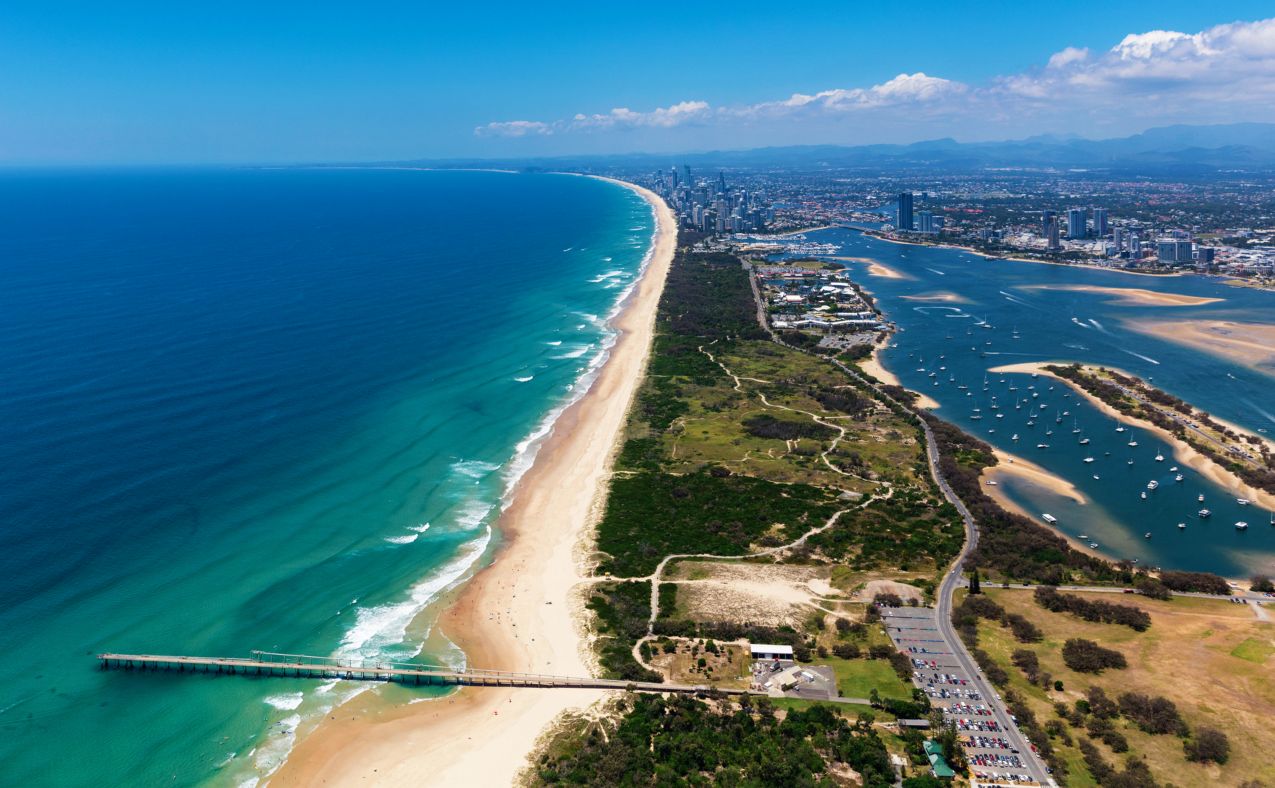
(1133, 296)
(1183, 452)
(1249, 344)
(942, 297)
(522, 612)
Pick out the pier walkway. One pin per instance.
(266, 664)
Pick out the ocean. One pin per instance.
(267, 410)
(1004, 312)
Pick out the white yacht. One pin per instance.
(1241, 526)
(1049, 518)
(1159, 458)
(1151, 485)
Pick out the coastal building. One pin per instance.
(1100, 222)
(1076, 221)
(1173, 251)
(1052, 242)
(903, 216)
(1046, 216)
(925, 222)
(770, 651)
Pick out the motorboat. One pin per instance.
(1178, 478)
(1049, 518)
(1242, 501)
(1159, 458)
(1089, 459)
(1204, 514)
(1241, 526)
(1181, 525)
(1151, 485)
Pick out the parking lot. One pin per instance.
(981, 722)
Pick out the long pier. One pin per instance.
(267, 664)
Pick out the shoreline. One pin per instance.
(989, 256)
(873, 366)
(521, 612)
(1183, 452)
(1012, 465)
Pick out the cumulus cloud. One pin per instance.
(1227, 68)
(513, 128)
(1222, 63)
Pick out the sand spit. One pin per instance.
(1183, 452)
(520, 613)
(1132, 296)
(1249, 344)
(946, 298)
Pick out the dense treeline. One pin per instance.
(907, 530)
(1009, 543)
(708, 296)
(679, 740)
(1093, 610)
(651, 515)
(1201, 582)
(764, 425)
(1156, 716)
(966, 615)
(1086, 656)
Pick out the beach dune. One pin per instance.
(520, 613)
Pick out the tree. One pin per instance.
(1086, 656)
(1262, 583)
(1209, 744)
(974, 587)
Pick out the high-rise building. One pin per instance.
(1100, 222)
(1076, 223)
(1051, 234)
(1173, 251)
(1045, 217)
(721, 182)
(903, 217)
(925, 222)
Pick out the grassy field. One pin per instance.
(856, 678)
(1211, 658)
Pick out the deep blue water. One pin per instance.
(1028, 323)
(264, 410)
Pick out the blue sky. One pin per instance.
(133, 82)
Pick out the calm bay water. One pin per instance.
(267, 410)
(1032, 324)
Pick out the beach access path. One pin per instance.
(522, 612)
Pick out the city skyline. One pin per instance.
(147, 84)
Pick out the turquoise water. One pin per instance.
(1032, 324)
(267, 410)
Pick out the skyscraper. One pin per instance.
(1100, 222)
(925, 222)
(1076, 223)
(903, 217)
(721, 182)
(1051, 233)
(1045, 217)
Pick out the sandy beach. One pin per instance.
(520, 613)
(1012, 465)
(1183, 453)
(872, 365)
(1133, 296)
(1249, 344)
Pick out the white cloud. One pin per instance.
(1067, 57)
(513, 128)
(1228, 70)
(660, 117)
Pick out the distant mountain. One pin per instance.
(1162, 150)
